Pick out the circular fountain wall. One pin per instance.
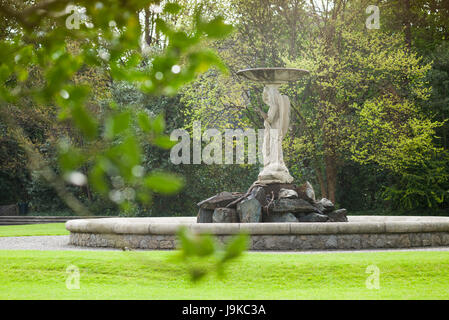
(360, 232)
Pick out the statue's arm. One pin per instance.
(269, 98)
(272, 112)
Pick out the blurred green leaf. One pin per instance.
(236, 247)
(164, 142)
(165, 183)
(201, 245)
(144, 197)
(158, 124)
(70, 159)
(216, 28)
(97, 177)
(144, 121)
(85, 122)
(129, 152)
(205, 245)
(172, 8)
(116, 124)
(197, 273)
(187, 245)
(5, 73)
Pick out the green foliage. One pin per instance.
(424, 185)
(108, 144)
(362, 104)
(11, 187)
(359, 186)
(394, 135)
(197, 178)
(43, 197)
(164, 183)
(367, 98)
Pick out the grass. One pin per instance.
(47, 229)
(153, 275)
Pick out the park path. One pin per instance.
(41, 243)
(62, 243)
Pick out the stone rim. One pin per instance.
(169, 226)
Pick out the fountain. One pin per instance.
(272, 209)
(273, 197)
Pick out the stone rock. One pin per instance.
(288, 193)
(325, 205)
(292, 205)
(204, 216)
(338, 216)
(306, 192)
(220, 200)
(259, 193)
(313, 217)
(274, 188)
(225, 215)
(331, 242)
(249, 210)
(281, 217)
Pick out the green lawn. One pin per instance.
(48, 229)
(153, 275)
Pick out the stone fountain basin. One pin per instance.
(360, 232)
(273, 75)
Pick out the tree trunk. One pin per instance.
(407, 17)
(331, 177)
(319, 176)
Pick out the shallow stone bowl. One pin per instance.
(273, 75)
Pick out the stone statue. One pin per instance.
(276, 121)
(276, 126)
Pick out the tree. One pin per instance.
(361, 105)
(363, 101)
(39, 39)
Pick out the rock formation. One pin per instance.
(275, 202)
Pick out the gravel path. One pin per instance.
(61, 243)
(41, 243)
